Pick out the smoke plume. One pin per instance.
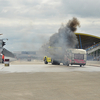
(65, 37)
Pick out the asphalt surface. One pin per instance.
(37, 81)
(23, 66)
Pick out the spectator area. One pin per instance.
(91, 44)
(87, 40)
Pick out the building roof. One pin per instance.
(86, 40)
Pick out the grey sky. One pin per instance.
(29, 23)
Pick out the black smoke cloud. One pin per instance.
(65, 37)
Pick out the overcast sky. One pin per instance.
(29, 23)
